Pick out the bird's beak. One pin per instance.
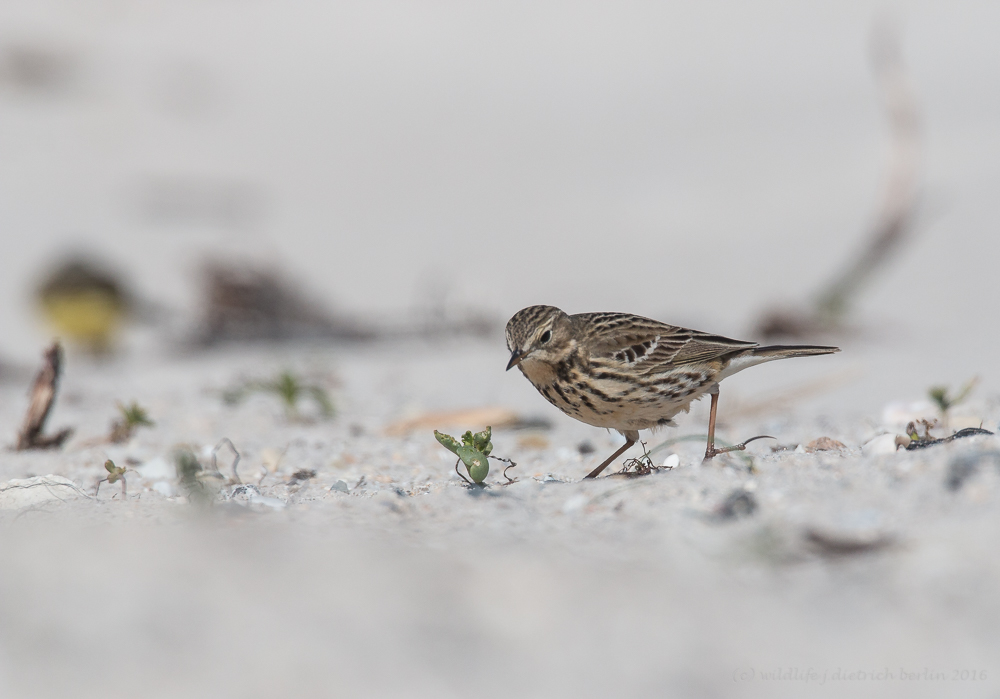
(515, 358)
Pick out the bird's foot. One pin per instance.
(713, 451)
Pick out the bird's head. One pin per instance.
(539, 333)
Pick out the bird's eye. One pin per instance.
(546, 336)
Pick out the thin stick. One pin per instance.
(460, 473)
(900, 192)
(896, 213)
(510, 464)
(43, 396)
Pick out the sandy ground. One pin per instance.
(411, 584)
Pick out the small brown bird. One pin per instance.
(629, 373)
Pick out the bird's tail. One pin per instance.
(758, 355)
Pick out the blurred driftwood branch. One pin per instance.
(43, 396)
(242, 303)
(894, 218)
(246, 304)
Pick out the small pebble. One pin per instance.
(158, 469)
(825, 444)
(964, 466)
(883, 444)
(738, 503)
(164, 488)
(263, 501)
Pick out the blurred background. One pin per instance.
(698, 163)
(207, 199)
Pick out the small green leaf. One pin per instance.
(939, 394)
(447, 441)
(135, 415)
(467, 439)
(289, 388)
(114, 472)
(475, 462)
(189, 473)
(481, 439)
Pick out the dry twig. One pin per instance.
(43, 396)
(895, 217)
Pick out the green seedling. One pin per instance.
(200, 484)
(132, 417)
(290, 389)
(945, 402)
(474, 451)
(115, 474)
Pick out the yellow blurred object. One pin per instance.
(90, 318)
(84, 304)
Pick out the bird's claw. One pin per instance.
(713, 451)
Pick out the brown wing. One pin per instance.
(621, 340)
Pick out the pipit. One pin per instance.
(629, 373)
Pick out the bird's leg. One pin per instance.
(710, 450)
(596, 472)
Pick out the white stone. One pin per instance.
(164, 488)
(672, 461)
(263, 501)
(157, 469)
(883, 444)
